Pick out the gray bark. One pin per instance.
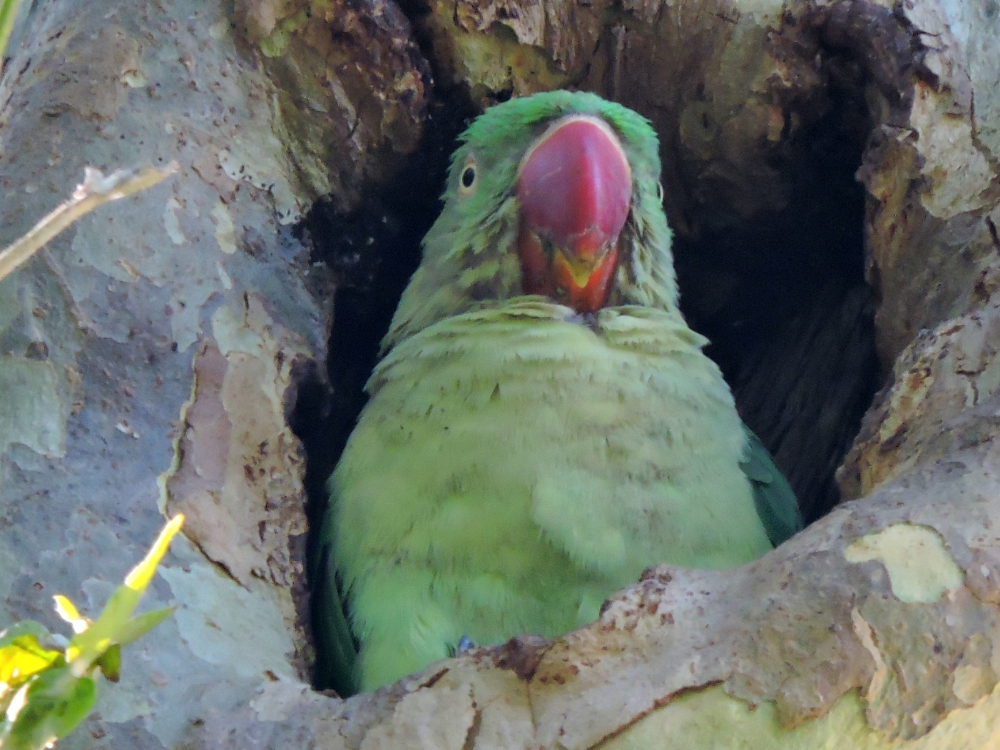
(148, 360)
(149, 356)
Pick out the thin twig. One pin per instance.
(94, 191)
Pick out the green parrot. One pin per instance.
(543, 425)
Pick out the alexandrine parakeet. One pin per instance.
(543, 424)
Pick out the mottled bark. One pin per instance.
(151, 356)
(150, 359)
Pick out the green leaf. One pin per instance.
(110, 663)
(24, 627)
(47, 708)
(23, 656)
(86, 647)
(44, 693)
(142, 624)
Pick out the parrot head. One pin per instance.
(555, 194)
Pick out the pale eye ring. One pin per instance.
(469, 178)
(659, 191)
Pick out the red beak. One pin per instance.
(575, 189)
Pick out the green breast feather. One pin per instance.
(518, 461)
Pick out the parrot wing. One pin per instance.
(337, 651)
(776, 503)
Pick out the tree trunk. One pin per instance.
(153, 356)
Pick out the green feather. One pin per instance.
(336, 662)
(467, 253)
(774, 498)
(517, 463)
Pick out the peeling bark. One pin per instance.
(151, 356)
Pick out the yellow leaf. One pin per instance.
(67, 610)
(142, 574)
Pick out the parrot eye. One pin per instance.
(469, 179)
(659, 191)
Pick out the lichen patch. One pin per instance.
(920, 568)
(31, 410)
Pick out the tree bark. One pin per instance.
(152, 354)
(151, 358)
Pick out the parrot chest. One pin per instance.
(518, 461)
